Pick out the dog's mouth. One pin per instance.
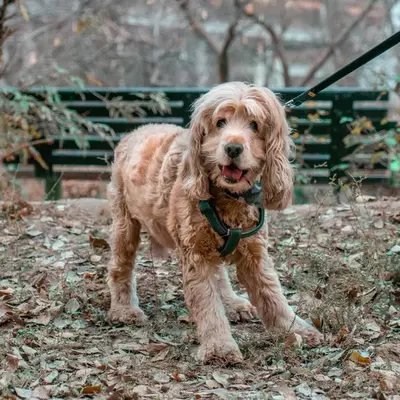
(232, 173)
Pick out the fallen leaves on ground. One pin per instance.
(337, 265)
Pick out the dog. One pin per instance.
(238, 136)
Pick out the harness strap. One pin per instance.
(231, 236)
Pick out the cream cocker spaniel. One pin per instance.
(238, 136)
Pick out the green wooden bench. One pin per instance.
(319, 130)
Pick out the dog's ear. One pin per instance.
(195, 180)
(277, 177)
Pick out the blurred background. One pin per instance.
(196, 43)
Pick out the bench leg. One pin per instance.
(53, 188)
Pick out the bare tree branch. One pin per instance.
(277, 46)
(223, 62)
(337, 43)
(5, 31)
(201, 32)
(220, 51)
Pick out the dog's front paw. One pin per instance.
(311, 335)
(225, 352)
(126, 315)
(240, 309)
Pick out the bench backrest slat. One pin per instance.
(319, 124)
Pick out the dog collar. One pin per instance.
(252, 196)
(231, 236)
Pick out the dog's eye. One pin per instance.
(253, 126)
(221, 123)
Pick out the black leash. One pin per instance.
(346, 70)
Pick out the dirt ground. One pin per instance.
(339, 267)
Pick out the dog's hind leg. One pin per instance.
(125, 240)
(237, 307)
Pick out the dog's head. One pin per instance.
(239, 134)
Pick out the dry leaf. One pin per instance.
(364, 199)
(50, 378)
(6, 313)
(160, 356)
(6, 292)
(24, 393)
(43, 319)
(184, 318)
(80, 26)
(342, 335)
(28, 350)
(91, 389)
(72, 306)
(141, 390)
(388, 381)
(41, 392)
(360, 357)
(294, 340)
(221, 378)
(93, 80)
(156, 347)
(178, 377)
(12, 362)
(98, 243)
(23, 11)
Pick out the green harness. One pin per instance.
(231, 236)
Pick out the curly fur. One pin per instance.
(160, 173)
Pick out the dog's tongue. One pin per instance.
(232, 172)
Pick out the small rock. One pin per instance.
(141, 390)
(161, 378)
(165, 388)
(95, 258)
(348, 229)
(211, 384)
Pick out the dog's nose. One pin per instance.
(234, 150)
